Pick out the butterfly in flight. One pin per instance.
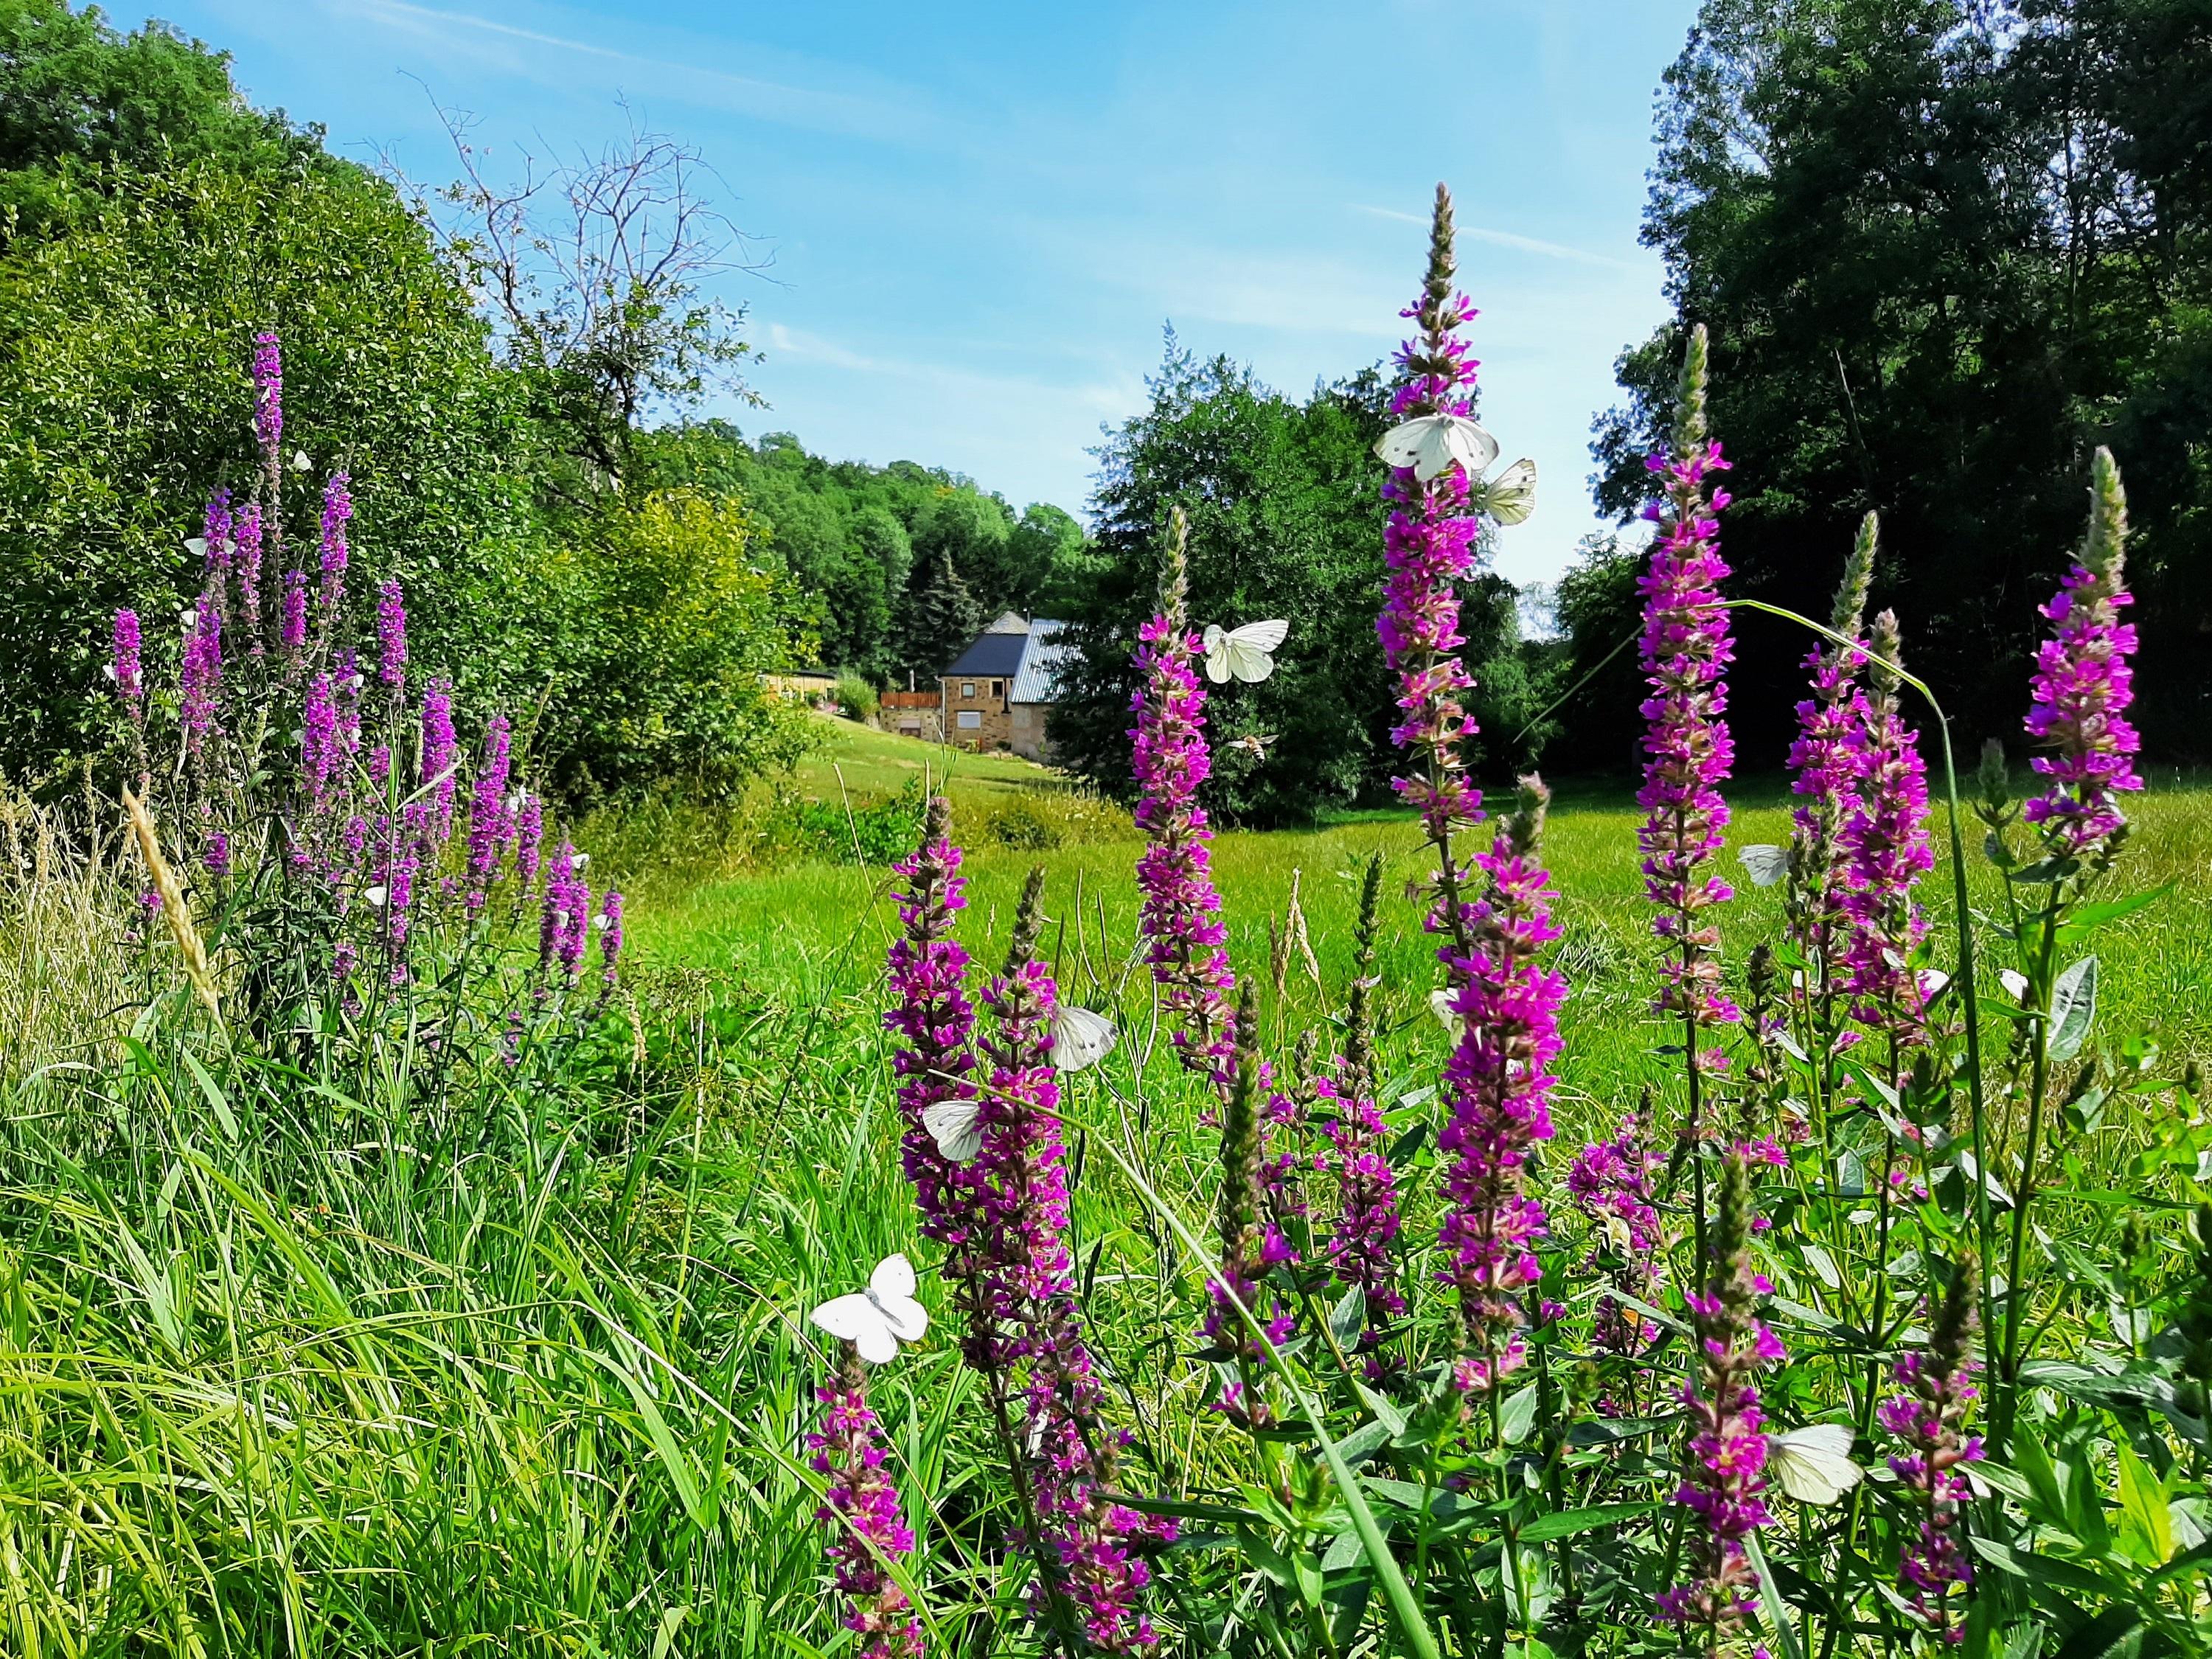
(1814, 1464)
(877, 1319)
(1246, 652)
(1511, 497)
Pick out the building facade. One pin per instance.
(998, 692)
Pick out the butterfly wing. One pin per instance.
(1440, 1005)
(956, 1128)
(1814, 1464)
(859, 1321)
(1248, 649)
(1463, 441)
(1767, 864)
(1080, 1038)
(1402, 445)
(1511, 497)
(1217, 653)
(890, 1287)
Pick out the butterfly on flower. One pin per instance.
(1431, 443)
(1245, 652)
(1080, 1038)
(1814, 1464)
(877, 1319)
(1765, 865)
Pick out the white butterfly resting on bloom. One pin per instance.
(1080, 1038)
(1814, 1464)
(1245, 652)
(877, 1319)
(1440, 1004)
(375, 895)
(1430, 443)
(196, 546)
(1767, 865)
(1511, 497)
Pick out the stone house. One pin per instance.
(999, 690)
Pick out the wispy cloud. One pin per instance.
(1508, 239)
(1096, 398)
(882, 111)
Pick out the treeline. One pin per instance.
(577, 552)
(1943, 248)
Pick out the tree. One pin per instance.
(942, 621)
(82, 107)
(1943, 249)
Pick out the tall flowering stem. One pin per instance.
(1827, 758)
(1251, 1242)
(1724, 1468)
(337, 513)
(248, 560)
(1362, 1244)
(1886, 850)
(1928, 1414)
(1180, 913)
(391, 637)
(860, 1512)
(1685, 652)
(2084, 685)
(269, 413)
(1496, 1096)
(1429, 548)
(1088, 1570)
(1612, 1183)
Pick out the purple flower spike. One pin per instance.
(320, 753)
(529, 842)
(439, 753)
(392, 635)
(1928, 1415)
(202, 674)
(489, 827)
(293, 627)
(1180, 915)
(129, 672)
(1828, 757)
(267, 397)
(1496, 1091)
(610, 936)
(1885, 851)
(337, 510)
(860, 1511)
(1613, 1181)
(1428, 548)
(1361, 1247)
(248, 562)
(2084, 685)
(1685, 654)
(1724, 1474)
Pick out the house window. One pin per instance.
(967, 688)
(998, 688)
(969, 719)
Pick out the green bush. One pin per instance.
(856, 698)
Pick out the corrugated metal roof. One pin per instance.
(1038, 680)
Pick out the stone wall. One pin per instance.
(976, 714)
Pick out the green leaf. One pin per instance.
(1567, 1523)
(1773, 1608)
(1517, 1416)
(2090, 917)
(2142, 1501)
(2073, 1006)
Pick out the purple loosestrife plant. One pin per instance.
(269, 397)
(860, 1512)
(1362, 1244)
(1612, 1183)
(248, 564)
(1827, 758)
(292, 625)
(1251, 1242)
(491, 825)
(392, 637)
(2084, 685)
(1886, 850)
(1179, 913)
(1685, 652)
(1929, 1415)
(611, 937)
(202, 677)
(1021, 1181)
(337, 511)
(438, 754)
(529, 842)
(1428, 550)
(1496, 1096)
(1724, 1468)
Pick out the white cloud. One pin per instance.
(1510, 238)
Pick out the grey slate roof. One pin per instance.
(994, 654)
(1027, 653)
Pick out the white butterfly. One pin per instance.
(1080, 1038)
(1440, 1004)
(1814, 1464)
(877, 1319)
(375, 895)
(1767, 865)
(1511, 497)
(1243, 651)
(196, 546)
(2014, 981)
(1430, 443)
(299, 461)
(957, 1127)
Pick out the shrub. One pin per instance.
(856, 698)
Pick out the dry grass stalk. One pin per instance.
(173, 911)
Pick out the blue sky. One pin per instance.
(978, 217)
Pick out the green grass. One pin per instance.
(865, 762)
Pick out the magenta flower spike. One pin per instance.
(1180, 913)
(1429, 547)
(1362, 1246)
(2084, 685)
(128, 670)
(489, 826)
(337, 511)
(1828, 757)
(202, 674)
(611, 937)
(1885, 850)
(1928, 1414)
(529, 842)
(292, 625)
(438, 753)
(269, 398)
(1496, 1091)
(1724, 1472)
(1612, 1182)
(391, 637)
(246, 559)
(1685, 653)
(860, 1512)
